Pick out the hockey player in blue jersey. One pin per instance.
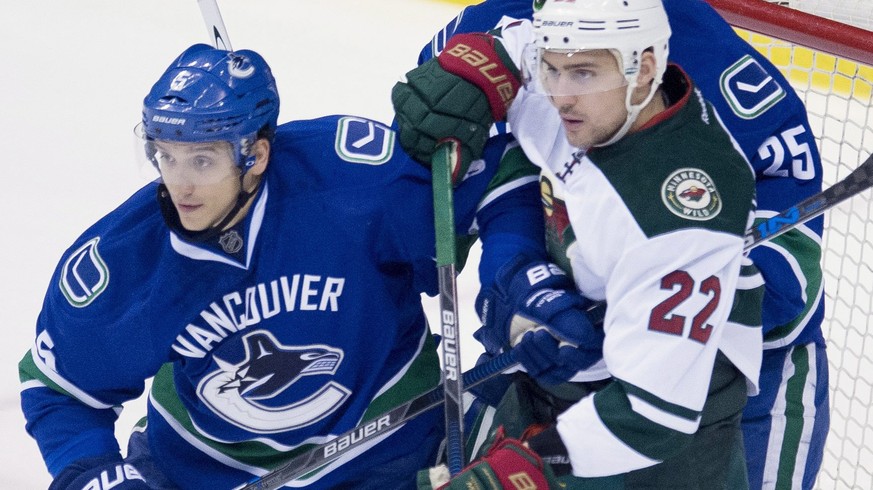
(269, 282)
(785, 426)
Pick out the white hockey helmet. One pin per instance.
(626, 28)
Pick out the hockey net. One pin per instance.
(825, 49)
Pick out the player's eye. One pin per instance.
(580, 75)
(164, 159)
(202, 162)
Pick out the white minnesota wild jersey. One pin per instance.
(654, 226)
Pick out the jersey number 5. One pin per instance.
(663, 320)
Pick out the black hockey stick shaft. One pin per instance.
(322, 454)
(443, 161)
(856, 182)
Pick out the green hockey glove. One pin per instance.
(458, 95)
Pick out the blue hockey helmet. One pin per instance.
(209, 94)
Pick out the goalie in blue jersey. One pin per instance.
(784, 426)
(270, 284)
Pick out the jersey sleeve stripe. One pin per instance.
(34, 367)
(645, 436)
(661, 417)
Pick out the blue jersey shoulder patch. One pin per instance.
(360, 140)
(748, 89)
(84, 275)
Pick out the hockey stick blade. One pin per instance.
(442, 163)
(322, 454)
(856, 182)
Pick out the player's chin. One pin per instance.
(192, 223)
(579, 138)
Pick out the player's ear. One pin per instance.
(647, 73)
(648, 68)
(261, 150)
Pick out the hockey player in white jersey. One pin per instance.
(786, 424)
(656, 196)
(269, 281)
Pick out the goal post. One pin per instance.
(825, 49)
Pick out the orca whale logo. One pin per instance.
(240, 393)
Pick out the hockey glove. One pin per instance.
(550, 362)
(507, 464)
(100, 472)
(457, 95)
(534, 307)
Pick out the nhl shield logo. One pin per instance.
(691, 194)
(231, 242)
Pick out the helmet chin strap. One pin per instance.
(633, 111)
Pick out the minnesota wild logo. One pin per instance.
(690, 193)
(538, 4)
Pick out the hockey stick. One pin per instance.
(856, 182)
(214, 24)
(322, 454)
(443, 162)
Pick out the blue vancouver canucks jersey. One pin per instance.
(296, 325)
(769, 122)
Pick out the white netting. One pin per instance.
(853, 12)
(837, 93)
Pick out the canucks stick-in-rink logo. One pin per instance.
(363, 141)
(84, 275)
(241, 392)
(749, 90)
(691, 194)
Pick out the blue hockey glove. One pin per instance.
(528, 294)
(455, 96)
(550, 362)
(534, 307)
(101, 472)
